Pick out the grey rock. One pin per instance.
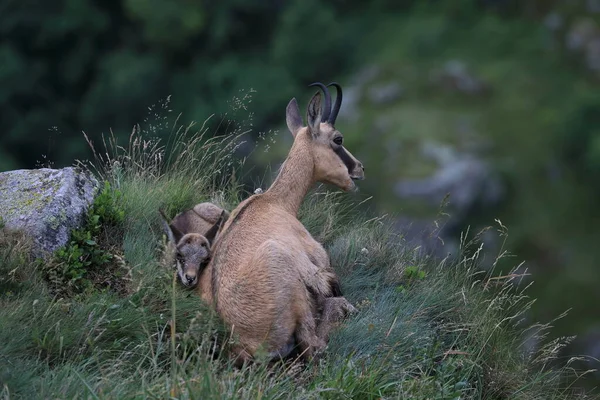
(553, 21)
(439, 153)
(46, 203)
(385, 94)
(583, 38)
(427, 236)
(580, 34)
(491, 245)
(589, 344)
(467, 179)
(366, 75)
(355, 91)
(393, 147)
(456, 76)
(469, 139)
(381, 125)
(592, 54)
(593, 6)
(349, 110)
(554, 171)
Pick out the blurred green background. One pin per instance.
(496, 102)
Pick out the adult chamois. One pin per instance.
(271, 282)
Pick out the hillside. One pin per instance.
(120, 327)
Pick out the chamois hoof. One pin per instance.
(346, 307)
(350, 309)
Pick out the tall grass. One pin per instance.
(425, 329)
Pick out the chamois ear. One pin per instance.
(314, 114)
(173, 233)
(293, 117)
(212, 232)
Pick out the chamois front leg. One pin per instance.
(240, 357)
(333, 311)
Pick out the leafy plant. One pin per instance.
(90, 248)
(413, 272)
(410, 275)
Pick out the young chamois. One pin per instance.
(192, 232)
(272, 283)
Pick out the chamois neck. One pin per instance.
(294, 179)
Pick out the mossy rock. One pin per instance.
(46, 203)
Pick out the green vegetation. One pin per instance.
(75, 65)
(453, 332)
(94, 62)
(88, 257)
(96, 66)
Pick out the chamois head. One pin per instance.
(332, 162)
(193, 250)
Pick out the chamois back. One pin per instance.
(198, 219)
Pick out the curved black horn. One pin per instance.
(327, 108)
(338, 103)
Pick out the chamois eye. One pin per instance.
(338, 140)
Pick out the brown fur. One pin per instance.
(198, 219)
(268, 278)
(192, 233)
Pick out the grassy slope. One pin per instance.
(424, 330)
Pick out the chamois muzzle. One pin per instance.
(358, 172)
(188, 276)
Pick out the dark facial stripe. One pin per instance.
(346, 159)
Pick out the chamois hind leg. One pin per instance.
(333, 311)
(240, 357)
(273, 305)
(309, 343)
